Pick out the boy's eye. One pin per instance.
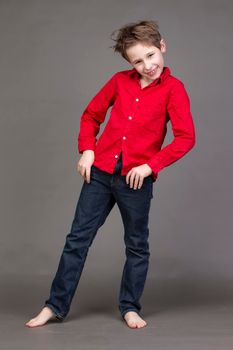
(151, 54)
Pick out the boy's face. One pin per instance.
(147, 59)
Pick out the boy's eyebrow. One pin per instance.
(138, 59)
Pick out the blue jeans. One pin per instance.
(96, 200)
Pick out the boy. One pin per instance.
(123, 164)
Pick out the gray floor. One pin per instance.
(180, 314)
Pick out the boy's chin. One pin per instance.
(148, 78)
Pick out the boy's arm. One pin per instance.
(178, 110)
(94, 114)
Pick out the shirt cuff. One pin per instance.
(155, 166)
(87, 144)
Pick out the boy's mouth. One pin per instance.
(151, 72)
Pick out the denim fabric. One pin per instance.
(96, 200)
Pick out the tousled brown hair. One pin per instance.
(132, 33)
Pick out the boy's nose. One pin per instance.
(147, 67)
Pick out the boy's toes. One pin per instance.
(141, 324)
(133, 320)
(132, 324)
(31, 323)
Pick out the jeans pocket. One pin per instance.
(152, 190)
(148, 184)
(96, 170)
(150, 180)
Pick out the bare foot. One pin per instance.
(133, 320)
(45, 315)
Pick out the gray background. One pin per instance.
(54, 58)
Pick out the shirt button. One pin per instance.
(137, 99)
(116, 156)
(130, 117)
(124, 138)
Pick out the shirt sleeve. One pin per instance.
(94, 114)
(178, 111)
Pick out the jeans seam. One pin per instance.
(99, 221)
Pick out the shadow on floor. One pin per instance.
(26, 295)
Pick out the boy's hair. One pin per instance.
(132, 33)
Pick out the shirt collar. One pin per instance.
(165, 73)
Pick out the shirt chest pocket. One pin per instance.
(151, 117)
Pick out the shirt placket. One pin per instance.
(130, 119)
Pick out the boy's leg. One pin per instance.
(134, 207)
(94, 204)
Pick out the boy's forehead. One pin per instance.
(141, 46)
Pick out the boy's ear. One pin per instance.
(163, 45)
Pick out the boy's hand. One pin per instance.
(137, 174)
(85, 163)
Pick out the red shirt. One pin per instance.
(137, 122)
